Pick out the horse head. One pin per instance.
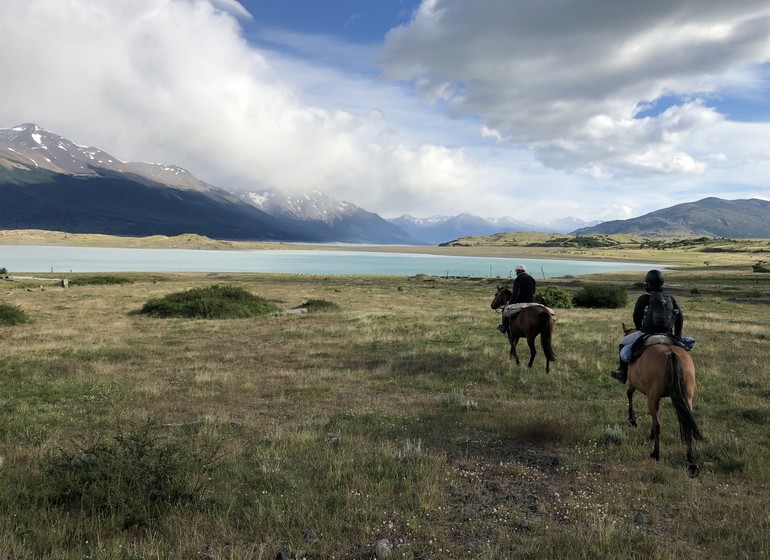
(501, 297)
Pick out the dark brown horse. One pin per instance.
(666, 370)
(528, 323)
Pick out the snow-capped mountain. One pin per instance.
(74, 188)
(35, 147)
(341, 220)
(48, 182)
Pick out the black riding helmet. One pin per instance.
(654, 280)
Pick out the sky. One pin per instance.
(596, 109)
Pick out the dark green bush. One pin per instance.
(135, 477)
(554, 297)
(214, 302)
(600, 295)
(12, 315)
(100, 280)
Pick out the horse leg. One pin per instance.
(653, 404)
(532, 350)
(631, 415)
(514, 340)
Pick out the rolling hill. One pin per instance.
(713, 217)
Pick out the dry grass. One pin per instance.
(398, 416)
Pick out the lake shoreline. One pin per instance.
(629, 251)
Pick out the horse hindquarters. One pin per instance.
(681, 397)
(546, 329)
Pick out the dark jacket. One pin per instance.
(523, 290)
(642, 303)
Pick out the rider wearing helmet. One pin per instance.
(646, 320)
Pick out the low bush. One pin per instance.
(555, 297)
(100, 280)
(601, 295)
(12, 315)
(135, 478)
(214, 302)
(613, 435)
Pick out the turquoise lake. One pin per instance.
(18, 259)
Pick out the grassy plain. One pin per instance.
(395, 416)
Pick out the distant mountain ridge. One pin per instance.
(712, 217)
(441, 229)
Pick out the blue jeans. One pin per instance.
(628, 343)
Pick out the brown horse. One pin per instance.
(666, 370)
(528, 323)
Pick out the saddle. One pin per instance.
(513, 309)
(641, 343)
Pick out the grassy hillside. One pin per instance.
(394, 415)
(700, 251)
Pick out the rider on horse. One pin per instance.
(523, 291)
(655, 312)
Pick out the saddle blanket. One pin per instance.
(635, 349)
(512, 309)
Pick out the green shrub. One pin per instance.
(136, 477)
(555, 297)
(613, 435)
(215, 302)
(100, 280)
(12, 315)
(601, 295)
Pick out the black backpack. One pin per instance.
(659, 314)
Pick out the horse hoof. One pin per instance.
(632, 421)
(693, 470)
(655, 456)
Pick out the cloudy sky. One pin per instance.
(598, 109)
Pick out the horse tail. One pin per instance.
(545, 335)
(675, 387)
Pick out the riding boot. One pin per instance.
(621, 374)
(503, 326)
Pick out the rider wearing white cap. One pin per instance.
(523, 291)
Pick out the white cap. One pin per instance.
(520, 267)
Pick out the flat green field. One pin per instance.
(395, 415)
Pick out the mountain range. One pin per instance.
(48, 182)
(439, 229)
